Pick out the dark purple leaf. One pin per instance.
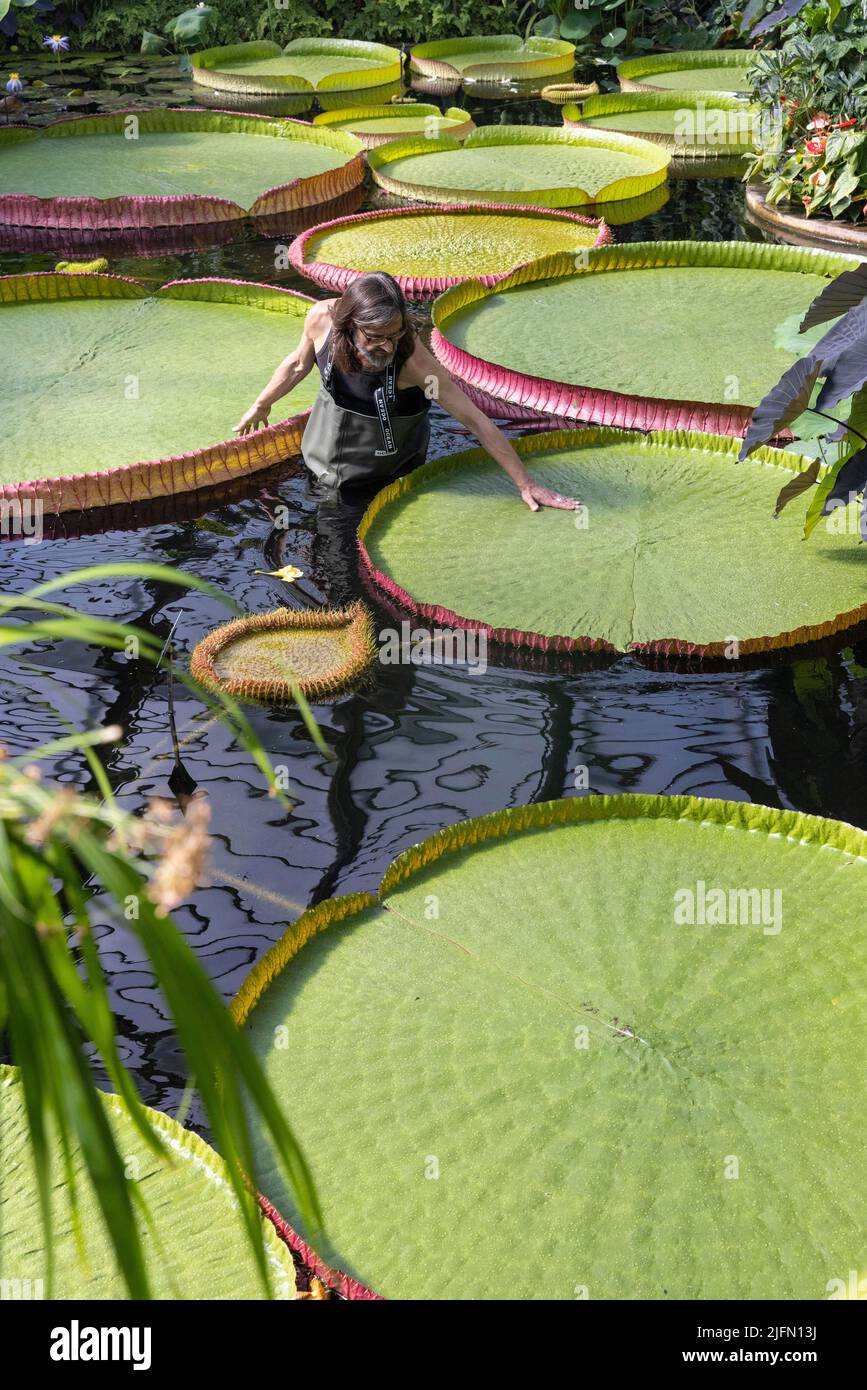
(837, 298)
(770, 21)
(843, 337)
(783, 404)
(849, 481)
(799, 484)
(748, 18)
(847, 375)
(796, 486)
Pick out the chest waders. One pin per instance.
(343, 446)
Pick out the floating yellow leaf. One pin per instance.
(288, 572)
(82, 267)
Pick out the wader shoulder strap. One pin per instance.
(382, 398)
(329, 361)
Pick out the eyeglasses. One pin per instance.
(376, 342)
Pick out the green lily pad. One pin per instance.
(537, 1078)
(205, 155)
(693, 70)
(138, 376)
(195, 1249)
(675, 325)
(672, 523)
(535, 165)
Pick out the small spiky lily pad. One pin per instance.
(266, 657)
(194, 1240)
(552, 1067)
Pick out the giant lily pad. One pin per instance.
(688, 124)
(537, 165)
(195, 1243)
(698, 70)
(540, 1080)
(672, 524)
(267, 656)
(376, 125)
(428, 249)
(163, 168)
(304, 65)
(493, 58)
(119, 393)
(656, 335)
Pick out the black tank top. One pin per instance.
(355, 390)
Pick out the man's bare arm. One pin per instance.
(424, 371)
(291, 371)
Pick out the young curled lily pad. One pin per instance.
(268, 656)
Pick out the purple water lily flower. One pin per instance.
(14, 85)
(58, 43)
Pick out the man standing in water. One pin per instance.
(370, 422)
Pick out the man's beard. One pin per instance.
(371, 363)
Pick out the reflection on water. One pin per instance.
(418, 747)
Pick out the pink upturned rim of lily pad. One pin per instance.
(339, 277)
(398, 602)
(155, 210)
(146, 480)
(334, 1279)
(598, 405)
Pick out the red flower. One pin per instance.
(819, 121)
(843, 125)
(816, 146)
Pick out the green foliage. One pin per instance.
(68, 861)
(119, 25)
(623, 26)
(813, 149)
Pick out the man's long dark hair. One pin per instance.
(371, 302)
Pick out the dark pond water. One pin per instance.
(419, 748)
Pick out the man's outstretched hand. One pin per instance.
(254, 418)
(536, 497)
